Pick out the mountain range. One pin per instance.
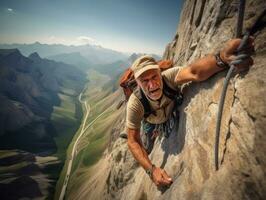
(84, 57)
(29, 90)
(93, 54)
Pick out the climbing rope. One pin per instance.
(239, 59)
(259, 24)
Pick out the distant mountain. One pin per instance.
(94, 54)
(29, 90)
(134, 56)
(74, 58)
(115, 69)
(112, 69)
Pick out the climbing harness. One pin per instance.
(239, 58)
(163, 130)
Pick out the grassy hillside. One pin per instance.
(66, 119)
(65, 122)
(103, 114)
(65, 116)
(95, 139)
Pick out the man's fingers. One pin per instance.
(251, 41)
(244, 65)
(242, 57)
(162, 178)
(233, 45)
(161, 181)
(248, 62)
(166, 178)
(157, 183)
(246, 43)
(250, 51)
(164, 182)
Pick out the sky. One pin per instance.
(142, 26)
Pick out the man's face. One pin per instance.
(151, 83)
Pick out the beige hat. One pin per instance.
(143, 64)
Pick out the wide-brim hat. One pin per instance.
(142, 64)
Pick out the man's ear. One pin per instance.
(138, 81)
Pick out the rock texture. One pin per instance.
(188, 154)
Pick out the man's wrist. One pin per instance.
(150, 170)
(221, 62)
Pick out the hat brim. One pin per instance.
(144, 69)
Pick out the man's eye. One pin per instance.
(155, 77)
(145, 81)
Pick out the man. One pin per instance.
(151, 82)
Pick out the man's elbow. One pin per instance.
(130, 140)
(190, 73)
(133, 137)
(200, 77)
(129, 143)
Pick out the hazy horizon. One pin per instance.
(73, 45)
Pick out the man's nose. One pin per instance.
(153, 84)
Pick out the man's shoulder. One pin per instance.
(171, 71)
(134, 102)
(169, 76)
(135, 112)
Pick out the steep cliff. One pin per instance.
(188, 154)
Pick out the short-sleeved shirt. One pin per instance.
(162, 107)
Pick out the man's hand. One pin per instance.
(160, 177)
(228, 54)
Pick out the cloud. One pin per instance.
(81, 40)
(10, 10)
(86, 40)
(56, 40)
(51, 38)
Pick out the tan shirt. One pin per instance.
(162, 107)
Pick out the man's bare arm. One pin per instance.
(205, 67)
(159, 176)
(199, 70)
(135, 146)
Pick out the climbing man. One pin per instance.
(157, 88)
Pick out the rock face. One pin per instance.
(188, 154)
